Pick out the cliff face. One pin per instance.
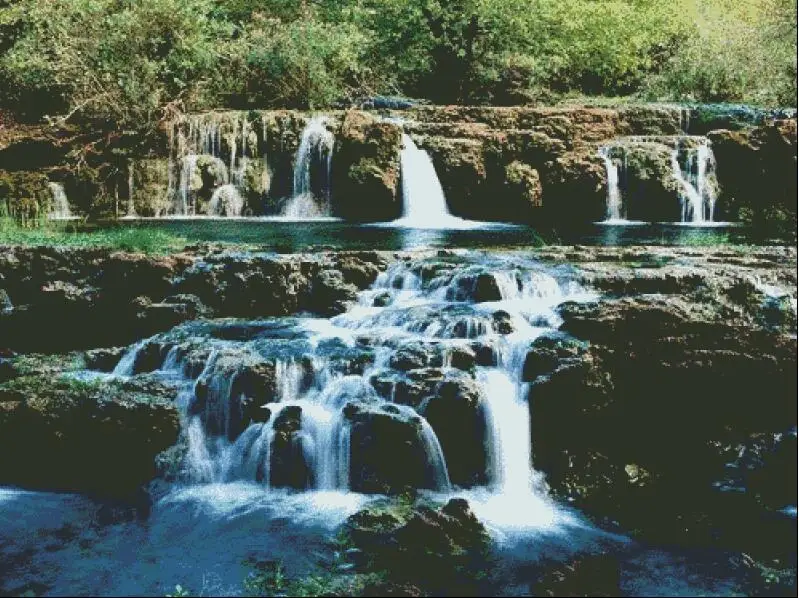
(519, 164)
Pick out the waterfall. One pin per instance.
(226, 201)
(692, 170)
(424, 204)
(131, 198)
(697, 190)
(614, 200)
(312, 162)
(303, 434)
(60, 209)
(211, 164)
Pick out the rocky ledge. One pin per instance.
(538, 165)
(669, 404)
(55, 299)
(666, 405)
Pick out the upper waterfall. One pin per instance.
(60, 208)
(639, 169)
(424, 204)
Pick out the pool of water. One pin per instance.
(287, 236)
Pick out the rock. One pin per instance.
(103, 360)
(547, 353)
(288, 467)
(429, 548)
(595, 575)
(387, 455)
(330, 294)
(462, 358)
(756, 168)
(382, 300)
(236, 384)
(502, 322)
(73, 436)
(455, 412)
(366, 168)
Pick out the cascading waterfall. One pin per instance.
(60, 209)
(698, 193)
(226, 201)
(303, 437)
(614, 211)
(424, 204)
(131, 211)
(210, 152)
(692, 166)
(313, 170)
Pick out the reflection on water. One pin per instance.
(294, 236)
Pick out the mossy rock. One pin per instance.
(366, 169)
(100, 438)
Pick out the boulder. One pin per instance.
(83, 437)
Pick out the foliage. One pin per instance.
(136, 62)
(734, 52)
(146, 240)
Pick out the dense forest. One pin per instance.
(134, 61)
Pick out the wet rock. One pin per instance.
(595, 575)
(232, 392)
(288, 468)
(416, 356)
(462, 358)
(455, 412)
(74, 436)
(194, 307)
(485, 354)
(366, 168)
(104, 360)
(548, 353)
(433, 549)
(330, 294)
(486, 289)
(387, 454)
(382, 300)
(502, 322)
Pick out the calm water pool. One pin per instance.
(286, 236)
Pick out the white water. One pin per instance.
(417, 311)
(226, 201)
(210, 138)
(693, 170)
(424, 204)
(698, 192)
(60, 209)
(314, 155)
(614, 212)
(304, 207)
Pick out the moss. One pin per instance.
(95, 437)
(366, 168)
(150, 180)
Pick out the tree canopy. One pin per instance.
(131, 61)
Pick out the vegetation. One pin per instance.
(135, 62)
(146, 240)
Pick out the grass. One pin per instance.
(60, 234)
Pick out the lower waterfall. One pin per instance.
(339, 409)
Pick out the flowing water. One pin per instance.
(60, 208)
(424, 205)
(313, 172)
(692, 166)
(291, 424)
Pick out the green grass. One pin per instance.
(124, 238)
